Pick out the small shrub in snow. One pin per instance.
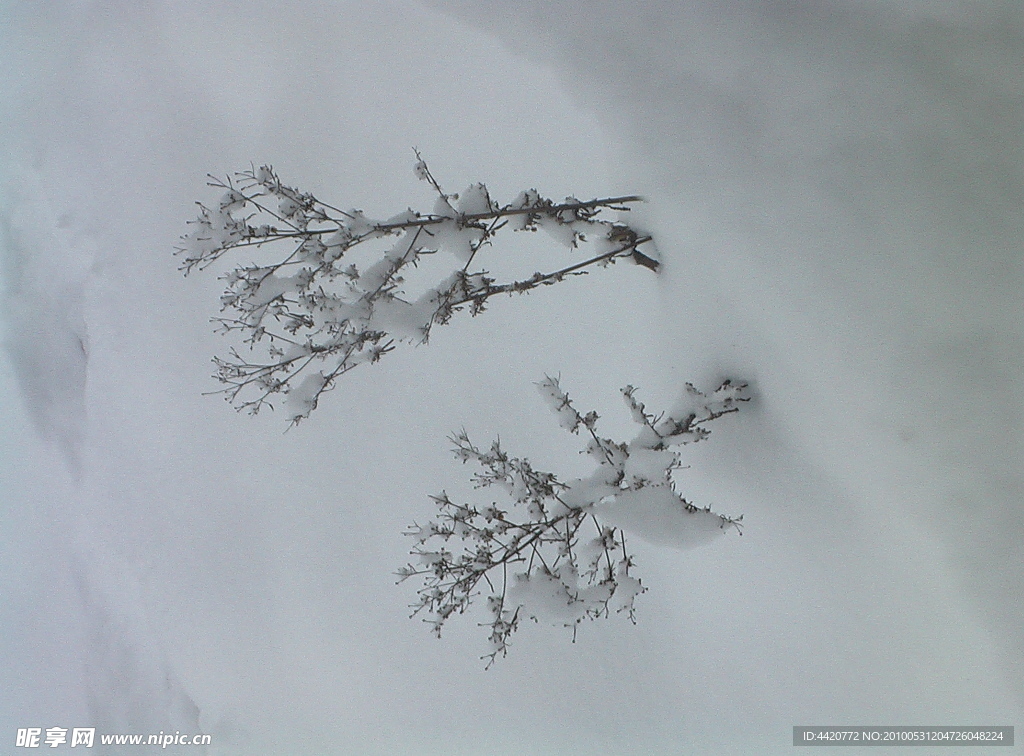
(322, 306)
(310, 314)
(558, 549)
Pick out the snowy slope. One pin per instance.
(835, 195)
(837, 190)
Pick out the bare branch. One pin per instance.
(313, 315)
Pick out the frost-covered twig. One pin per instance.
(559, 549)
(312, 315)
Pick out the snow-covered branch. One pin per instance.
(558, 550)
(308, 313)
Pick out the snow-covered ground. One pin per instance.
(835, 190)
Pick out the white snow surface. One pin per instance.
(835, 192)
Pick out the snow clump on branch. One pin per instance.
(558, 551)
